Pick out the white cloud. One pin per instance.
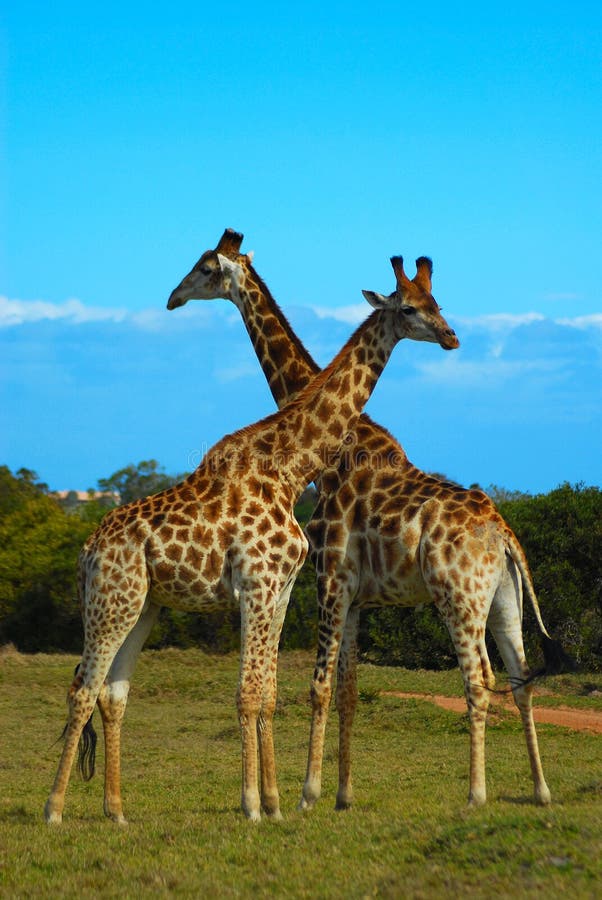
(352, 314)
(19, 312)
(500, 321)
(582, 322)
(539, 373)
(74, 312)
(455, 370)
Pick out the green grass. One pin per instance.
(408, 835)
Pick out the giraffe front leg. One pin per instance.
(320, 700)
(478, 680)
(330, 630)
(256, 619)
(478, 703)
(346, 703)
(270, 801)
(247, 718)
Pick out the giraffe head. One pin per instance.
(416, 314)
(215, 274)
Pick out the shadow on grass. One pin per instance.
(18, 814)
(517, 801)
(593, 787)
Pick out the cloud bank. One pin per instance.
(87, 390)
(19, 312)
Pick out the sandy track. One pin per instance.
(577, 719)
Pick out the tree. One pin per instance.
(39, 544)
(14, 489)
(133, 482)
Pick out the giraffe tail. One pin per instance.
(556, 660)
(86, 751)
(86, 754)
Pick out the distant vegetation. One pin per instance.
(40, 538)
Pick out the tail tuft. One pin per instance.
(556, 660)
(86, 756)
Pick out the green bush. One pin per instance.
(39, 545)
(561, 533)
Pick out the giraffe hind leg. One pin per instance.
(103, 639)
(505, 624)
(82, 699)
(330, 633)
(86, 754)
(112, 701)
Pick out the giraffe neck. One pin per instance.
(308, 435)
(286, 364)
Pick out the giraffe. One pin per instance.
(227, 533)
(385, 533)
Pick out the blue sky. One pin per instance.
(332, 135)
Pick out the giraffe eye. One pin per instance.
(205, 270)
(408, 310)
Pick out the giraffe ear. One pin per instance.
(250, 256)
(376, 300)
(227, 266)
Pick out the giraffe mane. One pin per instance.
(311, 389)
(308, 358)
(286, 326)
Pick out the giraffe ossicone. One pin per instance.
(226, 534)
(385, 533)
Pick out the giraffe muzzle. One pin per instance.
(449, 340)
(175, 300)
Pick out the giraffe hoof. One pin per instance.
(543, 798)
(253, 815)
(115, 816)
(51, 816)
(274, 816)
(120, 820)
(305, 804)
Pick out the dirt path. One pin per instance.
(577, 719)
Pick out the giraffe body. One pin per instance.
(207, 542)
(386, 533)
(226, 534)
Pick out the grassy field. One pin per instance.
(408, 835)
